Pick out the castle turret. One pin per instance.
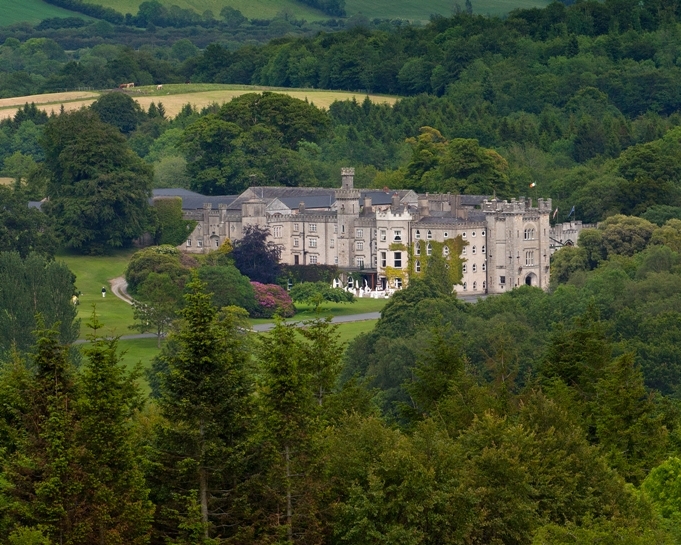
(347, 204)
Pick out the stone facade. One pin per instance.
(366, 232)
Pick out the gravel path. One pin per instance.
(119, 287)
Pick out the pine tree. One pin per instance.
(205, 403)
(116, 495)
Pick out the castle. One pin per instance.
(373, 234)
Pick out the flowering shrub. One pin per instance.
(272, 299)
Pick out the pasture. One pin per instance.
(31, 11)
(175, 96)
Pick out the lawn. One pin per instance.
(93, 273)
(306, 312)
(350, 330)
(31, 11)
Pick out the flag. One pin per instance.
(533, 184)
(572, 211)
(555, 213)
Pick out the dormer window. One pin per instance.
(418, 234)
(430, 234)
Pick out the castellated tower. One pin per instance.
(347, 202)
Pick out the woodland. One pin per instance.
(527, 418)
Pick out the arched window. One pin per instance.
(484, 285)
(464, 268)
(429, 235)
(445, 251)
(473, 249)
(484, 266)
(446, 234)
(463, 251)
(418, 266)
(473, 234)
(482, 250)
(475, 286)
(463, 235)
(474, 267)
(429, 249)
(418, 234)
(417, 249)
(482, 233)
(465, 286)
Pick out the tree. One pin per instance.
(228, 287)
(669, 235)
(99, 189)
(205, 403)
(159, 300)
(119, 110)
(23, 229)
(163, 259)
(625, 235)
(255, 256)
(566, 262)
(172, 228)
(316, 293)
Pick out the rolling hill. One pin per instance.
(31, 11)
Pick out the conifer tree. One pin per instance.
(205, 403)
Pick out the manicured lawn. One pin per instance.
(350, 330)
(31, 11)
(93, 272)
(306, 312)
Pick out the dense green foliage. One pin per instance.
(255, 256)
(316, 293)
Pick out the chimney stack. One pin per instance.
(367, 204)
(424, 207)
(301, 208)
(395, 203)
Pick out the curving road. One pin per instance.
(119, 287)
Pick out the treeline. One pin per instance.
(335, 8)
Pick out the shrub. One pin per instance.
(158, 259)
(271, 300)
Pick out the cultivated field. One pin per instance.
(174, 97)
(6, 181)
(31, 11)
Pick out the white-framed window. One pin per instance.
(296, 227)
(464, 268)
(217, 245)
(473, 249)
(463, 235)
(482, 233)
(475, 286)
(335, 260)
(312, 242)
(528, 233)
(484, 266)
(332, 243)
(429, 249)
(484, 285)
(384, 259)
(473, 234)
(474, 267)
(313, 260)
(397, 235)
(189, 242)
(418, 234)
(384, 235)
(429, 235)
(482, 249)
(359, 261)
(398, 283)
(374, 261)
(359, 245)
(446, 234)
(313, 228)
(397, 259)
(335, 228)
(463, 250)
(445, 251)
(359, 233)
(296, 242)
(199, 243)
(418, 266)
(417, 249)
(465, 286)
(529, 258)
(276, 231)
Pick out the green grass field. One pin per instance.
(92, 273)
(31, 11)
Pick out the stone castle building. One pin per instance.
(372, 233)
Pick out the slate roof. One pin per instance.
(310, 201)
(192, 200)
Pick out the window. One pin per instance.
(398, 283)
(445, 251)
(465, 286)
(296, 241)
(484, 266)
(429, 249)
(189, 242)
(474, 267)
(463, 235)
(502, 280)
(464, 268)
(199, 243)
(313, 228)
(482, 250)
(359, 245)
(313, 260)
(418, 234)
(217, 245)
(429, 235)
(359, 233)
(335, 228)
(463, 251)
(312, 242)
(296, 227)
(529, 258)
(332, 243)
(475, 286)
(384, 236)
(417, 249)
(446, 234)
(374, 261)
(482, 233)
(473, 249)
(473, 234)
(335, 260)
(276, 231)
(397, 235)
(418, 266)
(484, 285)
(397, 259)
(359, 261)
(528, 234)
(384, 259)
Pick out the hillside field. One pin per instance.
(175, 96)
(414, 10)
(31, 11)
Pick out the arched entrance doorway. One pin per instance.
(531, 279)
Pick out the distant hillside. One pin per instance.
(384, 9)
(31, 11)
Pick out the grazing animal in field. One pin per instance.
(123, 86)
(159, 87)
(130, 85)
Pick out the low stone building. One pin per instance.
(374, 234)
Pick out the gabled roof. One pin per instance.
(192, 200)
